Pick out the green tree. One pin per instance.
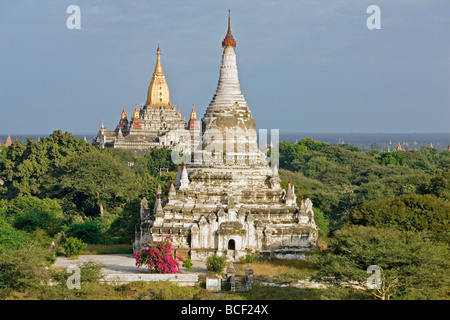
(123, 227)
(391, 186)
(440, 186)
(290, 155)
(376, 172)
(392, 158)
(409, 212)
(20, 205)
(412, 157)
(336, 175)
(315, 165)
(322, 196)
(312, 145)
(160, 158)
(356, 160)
(444, 164)
(97, 176)
(32, 220)
(431, 153)
(10, 238)
(87, 231)
(322, 222)
(26, 166)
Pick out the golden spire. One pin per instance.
(158, 67)
(136, 112)
(158, 91)
(124, 113)
(229, 39)
(193, 113)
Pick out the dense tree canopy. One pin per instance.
(26, 165)
(408, 212)
(63, 184)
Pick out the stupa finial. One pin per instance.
(229, 39)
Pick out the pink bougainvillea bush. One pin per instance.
(159, 257)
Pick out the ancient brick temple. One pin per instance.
(228, 200)
(156, 124)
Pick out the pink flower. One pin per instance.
(159, 257)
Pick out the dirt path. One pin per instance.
(119, 263)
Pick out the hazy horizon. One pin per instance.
(364, 141)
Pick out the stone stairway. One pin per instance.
(240, 284)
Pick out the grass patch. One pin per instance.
(108, 249)
(259, 292)
(157, 290)
(280, 268)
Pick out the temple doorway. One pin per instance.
(231, 244)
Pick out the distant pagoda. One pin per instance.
(8, 141)
(156, 124)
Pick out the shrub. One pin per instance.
(215, 263)
(250, 258)
(73, 247)
(187, 263)
(159, 257)
(90, 271)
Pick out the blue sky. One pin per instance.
(306, 66)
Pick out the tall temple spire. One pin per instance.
(229, 110)
(228, 88)
(158, 91)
